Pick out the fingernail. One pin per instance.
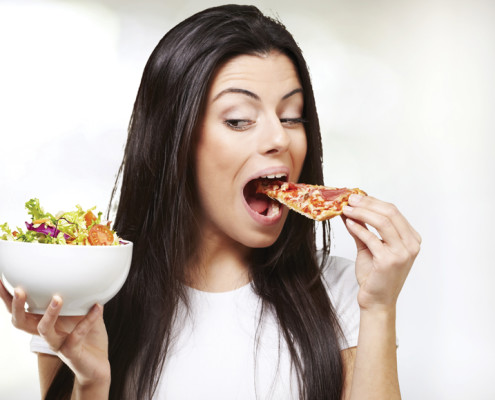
(347, 209)
(350, 222)
(55, 302)
(354, 198)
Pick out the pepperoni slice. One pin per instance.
(332, 194)
(100, 235)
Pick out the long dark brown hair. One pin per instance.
(158, 203)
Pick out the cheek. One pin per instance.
(214, 159)
(215, 169)
(299, 151)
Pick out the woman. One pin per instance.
(227, 296)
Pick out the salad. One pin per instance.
(79, 227)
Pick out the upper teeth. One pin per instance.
(275, 176)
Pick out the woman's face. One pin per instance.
(251, 128)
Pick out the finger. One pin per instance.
(6, 297)
(407, 233)
(383, 225)
(417, 236)
(18, 310)
(359, 244)
(46, 326)
(385, 208)
(20, 318)
(81, 330)
(369, 239)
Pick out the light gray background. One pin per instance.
(405, 91)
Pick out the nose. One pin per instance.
(274, 138)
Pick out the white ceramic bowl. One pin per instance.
(80, 275)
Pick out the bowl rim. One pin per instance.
(126, 243)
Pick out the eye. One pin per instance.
(292, 121)
(238, 124)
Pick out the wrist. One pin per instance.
(98, 390)
(379, 319)
(379, 324)
(380, 310)
(376, 303)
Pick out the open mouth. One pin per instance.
(259, 202)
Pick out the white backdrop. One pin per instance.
(405, 91)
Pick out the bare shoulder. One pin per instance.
(48, 366)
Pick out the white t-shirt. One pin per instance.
(222, 352)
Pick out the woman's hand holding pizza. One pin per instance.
(382, 263)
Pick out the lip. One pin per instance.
(268, 171)
(262, 219)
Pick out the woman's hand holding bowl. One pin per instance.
(81, 342)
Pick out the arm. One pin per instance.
(375, 373)
(377, 355)
(84, 348)
(382, 266)
(48, 366)
(348, 358)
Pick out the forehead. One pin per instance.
(273, 70)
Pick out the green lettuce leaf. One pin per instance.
(35, 210)
(7, 232)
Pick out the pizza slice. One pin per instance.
(312, 201)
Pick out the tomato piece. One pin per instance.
(100, 235)
(89, 217)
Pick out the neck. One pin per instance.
(219, 266)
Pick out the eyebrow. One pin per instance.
(253, 95)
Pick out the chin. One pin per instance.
(259, 240)
(262, 243)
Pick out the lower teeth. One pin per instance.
(274, 210)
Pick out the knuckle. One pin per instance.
(371, 236)
(80, 331)
(42, 329)
(391, 210)
(416, 249)
(383, 222)
(405, 259)
(66, 348)
(381, 258)
(401, 257)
